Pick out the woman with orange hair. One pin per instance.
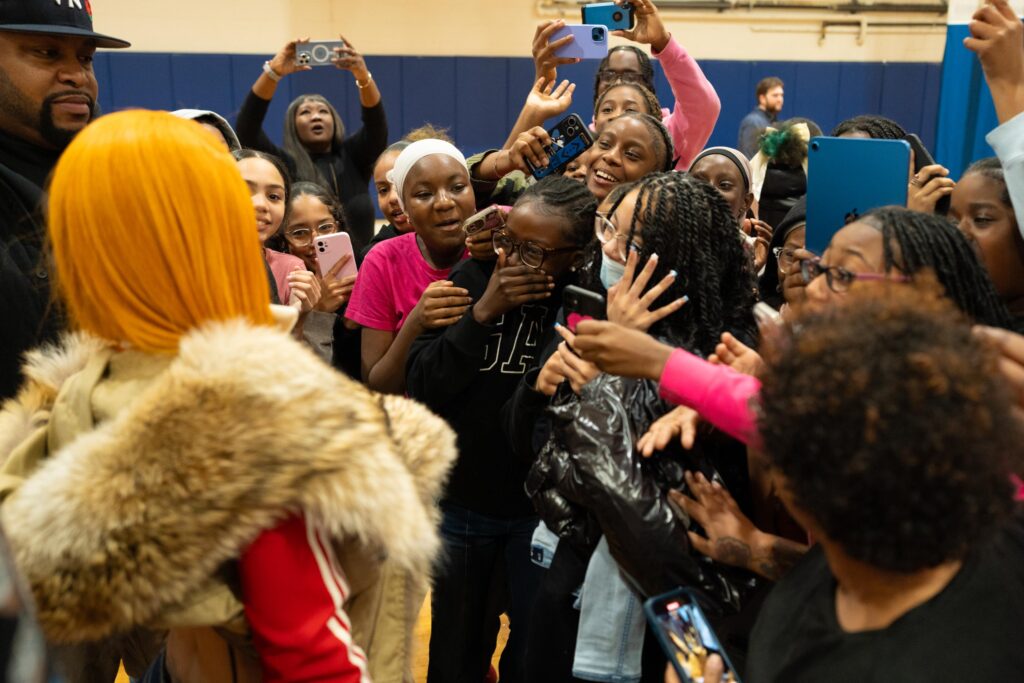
(144, 489)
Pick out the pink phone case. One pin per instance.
(332, 248)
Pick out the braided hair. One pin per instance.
(569, 199)
(662, 139)
(914, 242)
(646, 68)
(876, 127)
(992, 169)
(646, 94)
(327, 198)
(691, 228)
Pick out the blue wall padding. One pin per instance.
(478, 98)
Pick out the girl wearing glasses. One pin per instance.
(466, 373)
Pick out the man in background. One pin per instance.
(770, 96)
(47, 94)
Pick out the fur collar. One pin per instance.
(245, 427)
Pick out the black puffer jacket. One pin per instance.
(588, 480)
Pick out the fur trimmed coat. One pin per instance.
(121, 526)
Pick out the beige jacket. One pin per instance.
(133, 481)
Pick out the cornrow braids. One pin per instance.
(646, 68)
(876, 127)
(689, 226)
(992, 169)
(662, 138)
(915, 242)
(649, 98)
(569, 199)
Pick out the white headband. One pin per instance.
(412, 154)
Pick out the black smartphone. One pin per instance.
(569, 139)
(582, 304)
(922, 158)
(685, 635)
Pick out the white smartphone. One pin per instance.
(332, 248)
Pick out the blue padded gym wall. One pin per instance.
(478, 98)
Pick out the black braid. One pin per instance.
(646, 68)
(570, 199)
(691, 228)
(992, 169)
(877, 127)
(914, 242)
(648, 96)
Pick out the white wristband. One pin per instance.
(271, 74)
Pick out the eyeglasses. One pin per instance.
(606, 232)
(303, 237)
(786, 257)
(607, 75)
(530, 253)
(839, 279)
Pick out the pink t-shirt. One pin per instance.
(390, 284)
(280, 265)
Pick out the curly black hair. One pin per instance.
(647, 95)
(890, 427)
(914, 242)
(688, 224)
(877, 127)
(557, 195)
(646, 69)
(992, 168)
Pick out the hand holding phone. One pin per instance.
(330, 249)
(317, 52)
(609, 14)
(684, 633)
(567, 141)
(589, 41)
(930, 189)
(582, 304)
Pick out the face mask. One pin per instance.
(611, 271)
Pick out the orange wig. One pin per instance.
(153, 232)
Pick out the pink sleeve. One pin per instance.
(373, 303)
(720, 394)
(294, 592)
(696, 108)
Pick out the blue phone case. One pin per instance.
(846, 178)
(683, 631)
(605, 13)
(590, 41)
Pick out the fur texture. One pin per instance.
(245, 427)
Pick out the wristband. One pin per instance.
(366, 83)
(271, 74)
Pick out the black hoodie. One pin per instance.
(466, 373)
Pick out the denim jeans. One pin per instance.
(485, 569)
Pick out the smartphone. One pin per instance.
(922, 158)
(570, 138)
(332, 248)
(581, 304)
(685, 635)
(846, 178)
(490, 219)
(317, 53)
(610, 15)
(590, 41)
(766, 315)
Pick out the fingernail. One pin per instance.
(673, 273)
(685, 299)
(558, 325)
(654, 257)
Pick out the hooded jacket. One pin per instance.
(130, 521)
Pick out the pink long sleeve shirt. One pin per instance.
(696, 107)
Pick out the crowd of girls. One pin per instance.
(840, 486)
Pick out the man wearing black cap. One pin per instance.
(47, 94)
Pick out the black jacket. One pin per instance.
(28, 318)
(345, 171)
(466, 373)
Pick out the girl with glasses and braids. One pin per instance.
(697, 106)
(467, 373)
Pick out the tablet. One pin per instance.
(846, 178)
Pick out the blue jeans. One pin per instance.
(485, 569)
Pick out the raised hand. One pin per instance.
(996, 35)
(545, 61)
(927, 187)
(629, 305)
(546, 101)
(283, 63)
(649, 29)
(348, 59)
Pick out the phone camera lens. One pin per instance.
(598, 34)
(617, 16)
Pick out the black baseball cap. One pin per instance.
(54, 17)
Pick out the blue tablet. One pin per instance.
(846, 178)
